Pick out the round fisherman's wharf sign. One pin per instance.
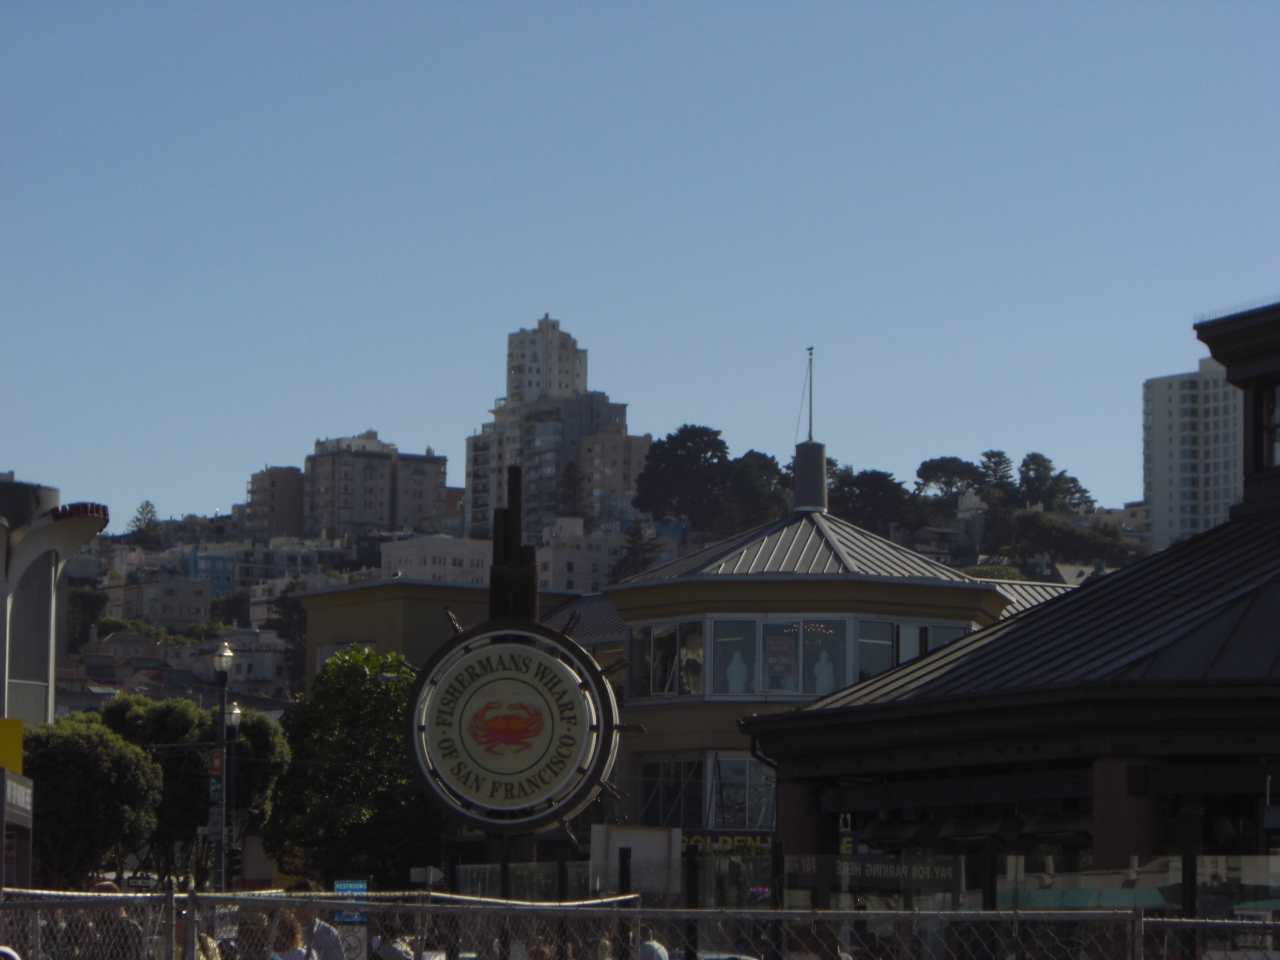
(513, 727)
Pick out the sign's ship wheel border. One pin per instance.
(603, 729)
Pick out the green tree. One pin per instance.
(994, 572)
(997, 476)
(1040, 482)
(871, 499)
(754, 494)
(84, 608)
(110, 625)
(97, 798)
(684, 477)
(289, 621)
(947, 476)
(144, 528)
(1042, 534)
(183, 734)
(571, 493)
(639, 553)
(348, 803)
(232, 609)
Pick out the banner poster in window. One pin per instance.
(779, 656)
(513, 727)
(871, 871)
(717, 843)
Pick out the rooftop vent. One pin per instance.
(810, 477)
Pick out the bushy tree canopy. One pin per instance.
(348, 804)
(261, 756)
(684, 477)
(98, 797)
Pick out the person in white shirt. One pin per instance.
(320, 940)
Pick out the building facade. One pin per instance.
(1191, 457)
(274, 504)
(437, 558)
(765, 621)
(361, 485)
(544, 423)
(173, 602)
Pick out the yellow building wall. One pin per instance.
(397, 617)
(11, 745)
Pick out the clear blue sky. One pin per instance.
(229, 229)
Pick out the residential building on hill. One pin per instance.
(362, 485)
(437, 558)
(1191, 466)
(171, 601)
(546, 421)
(274, 504)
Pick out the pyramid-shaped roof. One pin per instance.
(1206, 609)
(806, 543)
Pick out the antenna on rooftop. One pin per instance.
(809, 376)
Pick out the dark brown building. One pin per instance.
(1132, 723)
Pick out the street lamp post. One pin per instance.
(222, 659)
(233, 734)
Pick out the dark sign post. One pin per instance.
(512, 726)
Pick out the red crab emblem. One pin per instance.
(515, 728)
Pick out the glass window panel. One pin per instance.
(912, 641)
(940, 636)
(875, 648)
(760, 794)
(781, 644)
(825, 642)
(730, 789)
(640, 662)
(671, 794)
(734, 659)
(691, 657)
(664, 659)
(742, 792)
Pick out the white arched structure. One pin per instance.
(39, 547)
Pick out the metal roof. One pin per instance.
(600, 618)
(805, 543)
(1024, 594)
(1205, 609)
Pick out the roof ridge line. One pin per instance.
(820, 521)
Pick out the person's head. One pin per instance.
(537, 952)
(255, 931)
(106, 886)
(306, 915)
(8, 953)
(288, 932)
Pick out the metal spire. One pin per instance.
(810, 377)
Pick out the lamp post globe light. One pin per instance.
(222, 660)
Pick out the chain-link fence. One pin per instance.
(434, 927)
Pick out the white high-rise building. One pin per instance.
(548, 420)
(1191, 466)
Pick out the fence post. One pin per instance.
(193, 922)
(624, 886)
(34, 952)
(170, 924)
(1139, 935)
(691, 902)
(778, 894)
